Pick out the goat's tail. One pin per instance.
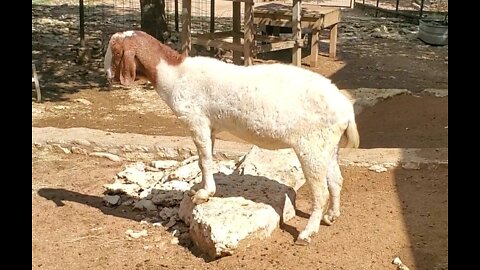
(351, 134)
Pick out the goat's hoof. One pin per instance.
(328, 220)
(302, 241)
(201, 196)
(330, 217)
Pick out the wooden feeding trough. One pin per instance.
(248, 43)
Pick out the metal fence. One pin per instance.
(415, 9)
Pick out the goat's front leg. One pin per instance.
(202, 137)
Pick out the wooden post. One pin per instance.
(249, 29)
(212, 23)
(186, 26)
(236, 32)
(333, 41)
(82, 25)
(421, 9)
(297, 32)
(176, 16)
(314, 47)
(37, 84)
(376, 9)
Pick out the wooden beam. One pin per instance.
(176, 16)
(249, 34)
(216, 35)
(333, 41)
(297, 32)
(186, 26)
(37, 84)
(207, 42)
(314, 48)
(241, 1)
(275, 46)
(82, 24)
(236, 32)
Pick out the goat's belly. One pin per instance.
(266, 142)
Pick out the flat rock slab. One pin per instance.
(249, 203)
(219, 226)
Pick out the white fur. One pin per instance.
(273, 106)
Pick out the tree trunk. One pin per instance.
(153, 17)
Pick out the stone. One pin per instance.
(122, 188)
(166, 197)
(136, 234)
(145, 204)
(111, 200)
(377, 168)
(282, 166)
(436, 92)
(167, 212)
(171, 222)
(164, 164)
(411, 166)
(185, 172)
(219, 225)
(59, 149)
(135, 173)
(83, 101)
(78, 150)
(112, 157)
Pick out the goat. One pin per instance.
(273, 106)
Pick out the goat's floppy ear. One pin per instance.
(128, 67)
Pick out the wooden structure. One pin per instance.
(35, 81)
(249, 44)
(312, 17)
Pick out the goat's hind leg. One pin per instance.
(314, 159)
(202, 137)
(334, 182)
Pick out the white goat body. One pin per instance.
(273, 106)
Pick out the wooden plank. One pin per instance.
(241, 1)
(333, 41)
(176, 16)
(212, 23)
(218, 44)
(37, 84)
(216, 35)
(331, 19)
(275, 46)
(314, 48)
(249, 33)
(286, 23)
(297, 33)
(237, 56)
(271, 39)
(186, 36)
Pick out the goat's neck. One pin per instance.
(150, 60)
(168, 77)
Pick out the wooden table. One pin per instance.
(312, 17)
(276, 14)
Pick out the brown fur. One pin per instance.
(138, 55)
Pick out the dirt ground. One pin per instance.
(406, 121)
(399, 212)
(396, 213)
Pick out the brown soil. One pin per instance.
(399, 212)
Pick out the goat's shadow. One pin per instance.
(258, 189)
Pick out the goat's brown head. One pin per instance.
(133, 54)
(120, 64)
